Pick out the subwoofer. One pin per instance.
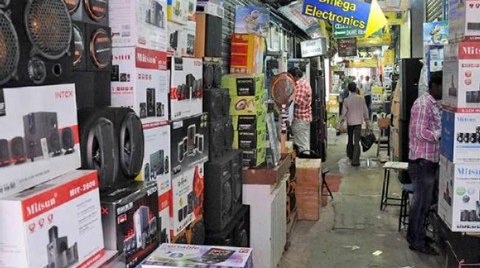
(99, 48)
(18, 151)
(68, 142)
(216, 102)
(41, 134)
(235, 234)
(90, 11)
(5, 158)
(92, 89)
(35, 43)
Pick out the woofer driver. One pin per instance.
(101, 48)
(97, 9)
(79, 46)
(9, 48)
(72, 5)
(131, 145)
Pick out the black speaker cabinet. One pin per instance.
(222, 193)
(35, 41)
(99, 47)
(228, 137)
(42, 137)
(235, 234)
(216, 102)
(197, 233)
(157, 164)
(217, 138)
(79, 47)
(151, 103)
(90, 11)
(5, 158)
(208, 37)
(92, 89)
(18, 151)
(212, 74)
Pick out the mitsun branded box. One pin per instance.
(175, 255)
(463, 20)
(461, 77)
(39, 138)
(460, 141)
(459, 196)
(164, 217)
(138, 83)
(55, 224)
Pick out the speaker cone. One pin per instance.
(49, 27)
(97, 9)
(9, 48)
(101, 48)
(79, 46)
(72, 5)
(131, 145)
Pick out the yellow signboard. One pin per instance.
(388, 58)
(364, 63)
(384, 40)
(395, 18)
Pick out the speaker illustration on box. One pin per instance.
(155, 14)
(41, 135)
(99, 48)
(151, 103)
(35, 37)
(90, 11)
(18, 151)
(5, 158)
(68, 142)
(58, 252)
(160, 109)
(174, 40)
(235, 234)
(140, 220)
(192, 144)
(192, 88)
(143, 110)
(157, 164)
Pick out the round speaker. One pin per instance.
(9, 49)
(67, 140)
(49, 27)
(101, 48)
(96, 9)
(131, 145)
(17, 148)
(217, 75)
(79, 46)
(72, 5)
(208, 75)
(227, 198)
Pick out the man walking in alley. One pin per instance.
(424, 134)
(367, 92)
(354, 113)
(303, 111)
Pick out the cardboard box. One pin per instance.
(186, 201)
(56, 224)
(181, 39)
(168, 255)
(244, 85)
(460, 137)
(254, 158)
(459, 196)
(246, 56)
(186, 88)
(463, 20)
(248, 140)
(308, 172)
(164, 217)
(139, 23)
(189, 142)
(214, 8)
(138, 83)
(250, 122)
(178, 11)
(157, 159)
(461, 77)
(247, 105)
(308, 202)
(130, 221)
(39, 139)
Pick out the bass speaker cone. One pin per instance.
(9, 49)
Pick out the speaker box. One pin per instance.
(229, 132)
(18, 151)
(99, 47)
(217, 138)
(235, 234)
(35, 37)
(92, 89)
(216, 102)
(223, 181)
(41, 134)
(208, 36)
(90, 11)
(79, 47)
(212, 74)
(5, 158)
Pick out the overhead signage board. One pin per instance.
(354, 13)
(313, 48)
(345, 31)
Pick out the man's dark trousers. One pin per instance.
(353, 146)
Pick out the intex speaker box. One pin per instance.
(208, 36)
(186, 198)
(55, 224)
(189, 142)
(139, 24)
(34, 133)
(222, 257)
(130, 221)
(223, 190)
(36, 38)
(112, 142)
(186, 88)
(92, 89)
(90, 11)
(235, 234)
(138, 83)
(216, 102)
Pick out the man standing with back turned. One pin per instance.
(303, 111)
(424, 133)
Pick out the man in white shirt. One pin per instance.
(360, 82)
(367, 89)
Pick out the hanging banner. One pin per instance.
(435, 33)
(364, 16)
(347, 47)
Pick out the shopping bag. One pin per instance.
(367, 139)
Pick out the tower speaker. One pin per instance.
(68, 141)
(5, 158)
(17, 149)
(99, 48)
(216, 102)
(217, 138)
(151, 102)
(92, 89)
(90, 11)
(228, 137)
(212, 74)
(35, 37)
(41, 134)
(235, 234)
(208, 36)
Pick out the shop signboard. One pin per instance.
(366, 63)
(346, 31)
(347, 47)
(384, 40)
(394, 17)
(435, 33)
(252, 20)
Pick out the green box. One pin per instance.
(247, 105)
(248, 140)
(250, 122)
(254, 158)
(244, 85)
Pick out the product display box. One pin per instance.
(138, 83)
(250, 139)
(463, 20)
(175, 255)
(186, 202)
(461, 77)
(139, 23)
(247, 53)
(55, 224)
(156, 162)
(130, 221)
(460, 137)
(247, 105)
(181, 39)
(189, 142)
(459, 196)
(214, 8)
(186, 88)
(164, 217)
(178, 10)
(254, 158)
(39, 139)
(244, 85)
(250, 122)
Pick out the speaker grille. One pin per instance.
(49, 27)
(9, 49)
(101, 48)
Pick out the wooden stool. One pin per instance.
(388, 167)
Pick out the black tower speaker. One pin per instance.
(99, 48)
(90, 11)
(318, 129)
(213, 36)
(68, 142)
(212, 74)
(216, 102)
(5, 158)
(217, 138)
(17, 148)
(92, 89)
(151, 102)
(235, 234)
(41, 134)
(35, 41)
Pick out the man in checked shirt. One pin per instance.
(303, 111)
(424, 134)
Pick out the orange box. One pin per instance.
(308, 202)
(246, 56)
(308, 171)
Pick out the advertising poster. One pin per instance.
(252, 20)
(435, 33)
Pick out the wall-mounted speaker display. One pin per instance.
(89, 11)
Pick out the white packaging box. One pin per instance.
(164, 217)
(56, 224)
(157, 159)
(138, 83)
(178, 10)
(460, 141)
(459, 196)
(461, 77)
(463, 20)
(39, 139)
(186, 199)
(141, 23)
(186, 88)
(181, 39)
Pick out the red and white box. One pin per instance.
(164, 217)
(56, 224)
(461, 77)
(139, 82)
(139, 23)
(463, 20)
(186, 88)
(39, 139)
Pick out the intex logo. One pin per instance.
(468, 171)
(64, 94)
(38, 207)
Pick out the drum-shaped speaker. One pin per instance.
(17, 148)
(4, 153)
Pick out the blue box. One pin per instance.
(460, 142)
